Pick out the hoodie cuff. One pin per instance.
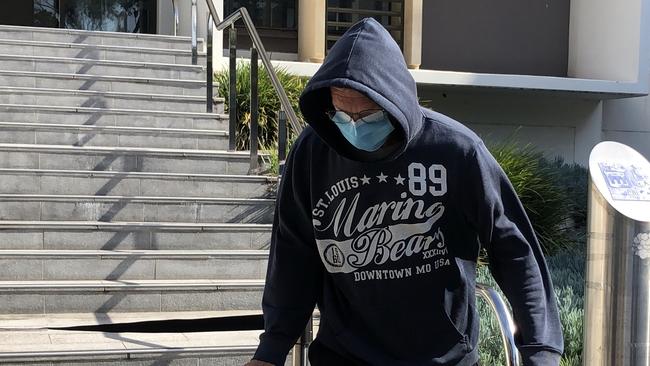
(273, 350)
(539, 357)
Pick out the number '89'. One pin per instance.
(423, 180)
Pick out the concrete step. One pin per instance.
(91, 348)
(123, 159)
(107, 99)
(34, 113)
(37, 322)
(83, 66)
(96, 37)
(99, 52)
(28, 339)
(95, 235)
(48, 265)
(39, 181)
(103, 296)
(30, 207)
(90, 135)
(128, 84)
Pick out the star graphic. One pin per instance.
(382, 177)
(365, 180)
(399, 180)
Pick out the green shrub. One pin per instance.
(269, 103)
(574, 179)
(537, 185)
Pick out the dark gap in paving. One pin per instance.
(220, 324)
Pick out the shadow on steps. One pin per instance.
(227, 323)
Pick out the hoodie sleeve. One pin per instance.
(293, 278)
(516, 260)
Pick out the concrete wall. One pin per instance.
(628, 121)
(496, 36)
(558, 126)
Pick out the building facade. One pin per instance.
(561, 75)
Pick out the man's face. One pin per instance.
(352, 102)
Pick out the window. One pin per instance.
(341, 14)
(133, 16)
(275, 14)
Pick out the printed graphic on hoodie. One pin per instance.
(352, 236)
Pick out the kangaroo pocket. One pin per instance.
(409, 334)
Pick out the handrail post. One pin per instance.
(209, 68)
(254, 97)
(194, 40)
(232, 101)
(176, 16)
(282, 140)
(300, 350)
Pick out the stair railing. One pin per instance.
(257, 50)
(488, 294)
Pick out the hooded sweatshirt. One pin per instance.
(385, 244)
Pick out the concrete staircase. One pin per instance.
(119, 202)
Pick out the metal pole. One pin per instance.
(194, 41)
(176, 16)
(232, 102)
(282, 139)
(209, 91)
(300, 350)
(254, 112)
(617, 285)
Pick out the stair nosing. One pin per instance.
(141, 225)
(141, 64)
(127, 352)
(187, 132)
(140, 175)
(134, 199)
(126, 285)
(38, 108)
(53, 91)
(150, 50)
(143, 36)
(96, 77)
(124, 150)
(139, 253)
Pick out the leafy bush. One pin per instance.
(269, 103)
(574, 179)
(537, 184)
(567, 272)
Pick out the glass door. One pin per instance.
(131, 16)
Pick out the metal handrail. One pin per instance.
(242, 13)
(256, 50)
(494, 300)
(506, 324)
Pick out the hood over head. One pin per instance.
(366, 59)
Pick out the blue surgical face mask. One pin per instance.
(367, 133)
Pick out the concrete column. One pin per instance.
(605, 39)
(413, 33)
(311, 30)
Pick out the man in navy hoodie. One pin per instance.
(380, 217)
